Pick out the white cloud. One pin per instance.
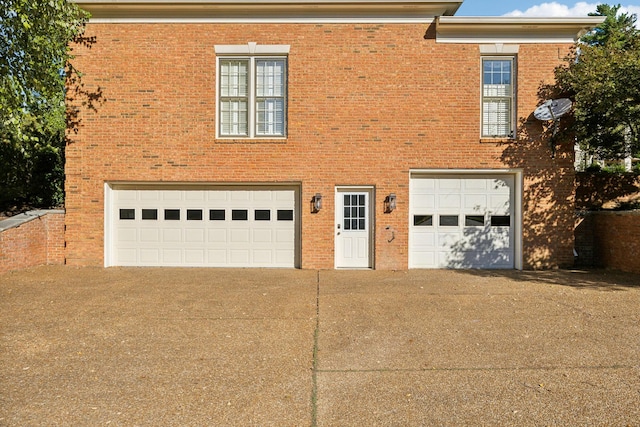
(555, 9)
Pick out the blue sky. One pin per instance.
(539, 7)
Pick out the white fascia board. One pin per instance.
(262, 11)
(450, 29)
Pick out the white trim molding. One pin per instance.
(265, 11)
(252, 48)
(507, 30)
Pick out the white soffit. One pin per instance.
(305, 11)
(454, 29)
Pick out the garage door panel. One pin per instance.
(449, 183)
(217, 257)
(126, 195)
(218, 227)
(172, 235)
(171, 196)
(194, 256)
(149, 235)
(127, 235)
(262, 236)
(284, 236)
(449, 201)
(150, 256)
(239, 256)
(475, 203)
(194, 236)
(149, 196)
(499, 204)
(240, 235)
(437, 240)
(127, 256)
(217, 235)
(475, 185)
(262, 257)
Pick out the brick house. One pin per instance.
(317, 134)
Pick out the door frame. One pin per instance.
(338, 218)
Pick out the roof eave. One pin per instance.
(263, 10)
(513, 30)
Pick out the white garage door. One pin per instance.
(462, 221)
(201, 228)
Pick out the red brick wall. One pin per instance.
(616, 240)
(366, 104)
(35, 242)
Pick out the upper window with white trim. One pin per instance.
(252, 91)
(498, 97)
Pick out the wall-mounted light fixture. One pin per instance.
(390, 203)
(316, 203)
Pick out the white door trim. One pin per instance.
(339, 191)
(517, 196)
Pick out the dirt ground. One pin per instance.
(254, 347)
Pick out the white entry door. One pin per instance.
(353, 228)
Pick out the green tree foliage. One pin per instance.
(35, 36)
(602, 76)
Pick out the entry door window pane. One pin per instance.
(355, 212)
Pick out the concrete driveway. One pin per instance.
(196, 347)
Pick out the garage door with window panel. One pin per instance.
(201, 228)
(465, 221)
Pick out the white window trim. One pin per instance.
(508, 55)
(251, 52)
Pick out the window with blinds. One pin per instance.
(498, 97)
(252, 97)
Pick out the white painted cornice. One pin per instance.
(311, 11)
(460, 29)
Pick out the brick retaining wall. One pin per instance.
(32, 238)
(609, 240)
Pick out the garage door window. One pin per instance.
(149, 214)
(474, 221)
(500, 221)
(216, 215)
(423, 220)
(172, 214)
(194, 214)
(127, 214)
(448, 220)
(285, 215)
(262, 215)
(239, 215)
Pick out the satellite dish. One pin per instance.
(552, 109)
